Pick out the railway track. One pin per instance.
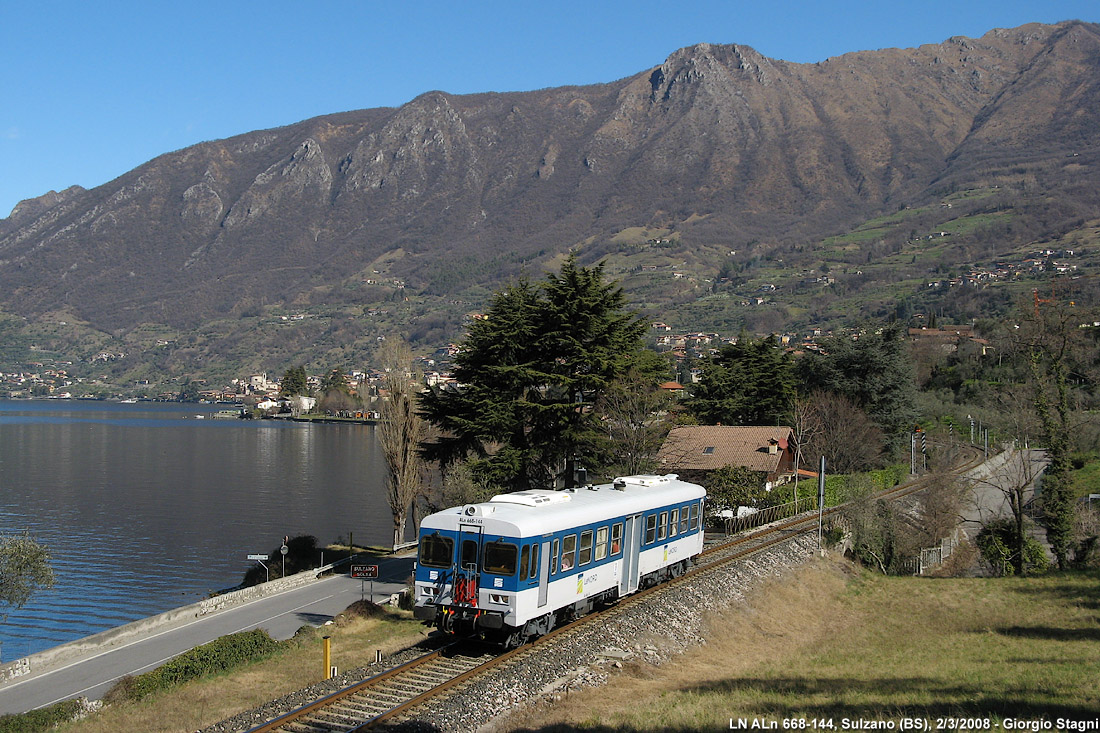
(378, 698)
(391, 696)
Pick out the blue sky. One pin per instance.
(91, 90)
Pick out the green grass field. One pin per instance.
(829, 643)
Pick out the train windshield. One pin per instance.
(436, 551)
(500, 558)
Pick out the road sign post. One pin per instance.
(365, 573)
(262, 560)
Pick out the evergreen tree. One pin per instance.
(189, 392)
(875, 371)
(747, 383)
(530, 372)
(294, 382)
(335, 381)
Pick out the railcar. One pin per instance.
(511, 568)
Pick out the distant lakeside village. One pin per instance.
(263, 393)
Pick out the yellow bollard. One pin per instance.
(328, 657)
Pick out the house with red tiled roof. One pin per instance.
(695, 450)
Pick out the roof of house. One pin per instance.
(709, 447)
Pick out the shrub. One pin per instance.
(220, 655)
(43, 719)
(995, 542)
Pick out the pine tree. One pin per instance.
(294, 382)
(530, 372)
(875, 371)
(747, 383)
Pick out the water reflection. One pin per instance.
(146, 508)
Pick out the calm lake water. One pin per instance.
(146, 508)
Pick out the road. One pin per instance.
(988, 497)
(281, 615)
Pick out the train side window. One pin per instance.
(586, 548)
(568, 552)
(601, 543)
(437, 551)
(524, 560)
(684, 520)
(616, 538)
(500, 558)
(673, 522)
(534, 562)
(662, 527)
(554, 557)
(694, 516)
(650, 528)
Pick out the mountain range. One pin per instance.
(306, 243)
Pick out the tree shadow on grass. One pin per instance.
(1077, 587)
(879, 699)
(1050, 633)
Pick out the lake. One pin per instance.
(146, 507)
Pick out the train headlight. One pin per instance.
(498, 598)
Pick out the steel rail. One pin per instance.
(330, 699)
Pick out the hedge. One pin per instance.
(41, 720)
(220, 655)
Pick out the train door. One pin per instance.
(544, 573)
(469, 557)
(632, 548)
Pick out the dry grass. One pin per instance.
(201, 703)
(827, 643)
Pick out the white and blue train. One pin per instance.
(511, 568)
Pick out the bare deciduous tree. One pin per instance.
(401, 430)
(1004, 494)
(634, 412)
(806, 428)
(844, 434)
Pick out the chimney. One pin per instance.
(773, 446)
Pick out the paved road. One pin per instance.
(988, 498)
(281, 614)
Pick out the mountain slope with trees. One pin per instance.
(719, 160)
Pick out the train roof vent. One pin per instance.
(533, 497)
(623, 481)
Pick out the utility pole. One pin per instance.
(820, 504)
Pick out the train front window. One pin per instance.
(469, 554)
(500, 558)
(436, 551)
(586, 547)
(524, 558)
